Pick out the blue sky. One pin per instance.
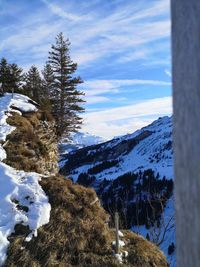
(122, 48)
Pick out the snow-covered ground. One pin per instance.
(22, 198)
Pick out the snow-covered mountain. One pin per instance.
(148, 148)
(78, 141)
(133, 174)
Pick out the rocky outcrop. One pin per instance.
(32, 146)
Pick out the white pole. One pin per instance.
(117, 232)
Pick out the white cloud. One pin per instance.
(137, 55)
(121, 120)
(157, 9)
(96, 99)
(33, 39)
(59, 11)
(98, 87)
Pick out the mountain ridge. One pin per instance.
(159, 144)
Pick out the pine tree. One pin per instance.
(10, 77)
(33, 86)
(66, 98)
(47, 87)
(4, 75)
(16, 78)
(48, 80)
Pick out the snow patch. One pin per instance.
(22, 199)
(121, 243)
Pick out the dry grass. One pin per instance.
(142, 252)
(25, 147)
(78, 233)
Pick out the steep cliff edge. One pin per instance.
(77, 233)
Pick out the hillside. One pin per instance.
(148, 148)
(47, 220)
(134, 174)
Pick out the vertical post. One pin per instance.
(186, 139)
(11, 72)
(1, 89)
(117, 232)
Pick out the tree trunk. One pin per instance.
(186, 102)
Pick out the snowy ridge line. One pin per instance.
(18, 188)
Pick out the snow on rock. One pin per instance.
(118, 256)
(17, 189)
(121, 256)
(22, 198)
(9, 104)
(23, 103)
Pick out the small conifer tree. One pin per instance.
(4, 75)
(33, 86)
(16, 78)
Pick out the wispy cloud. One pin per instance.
(98, 87)
(95, 35)
(96, 99)
(126, 119)
(59, 11)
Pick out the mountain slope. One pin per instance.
(150, 147)
(133, 174)
(78, 141)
